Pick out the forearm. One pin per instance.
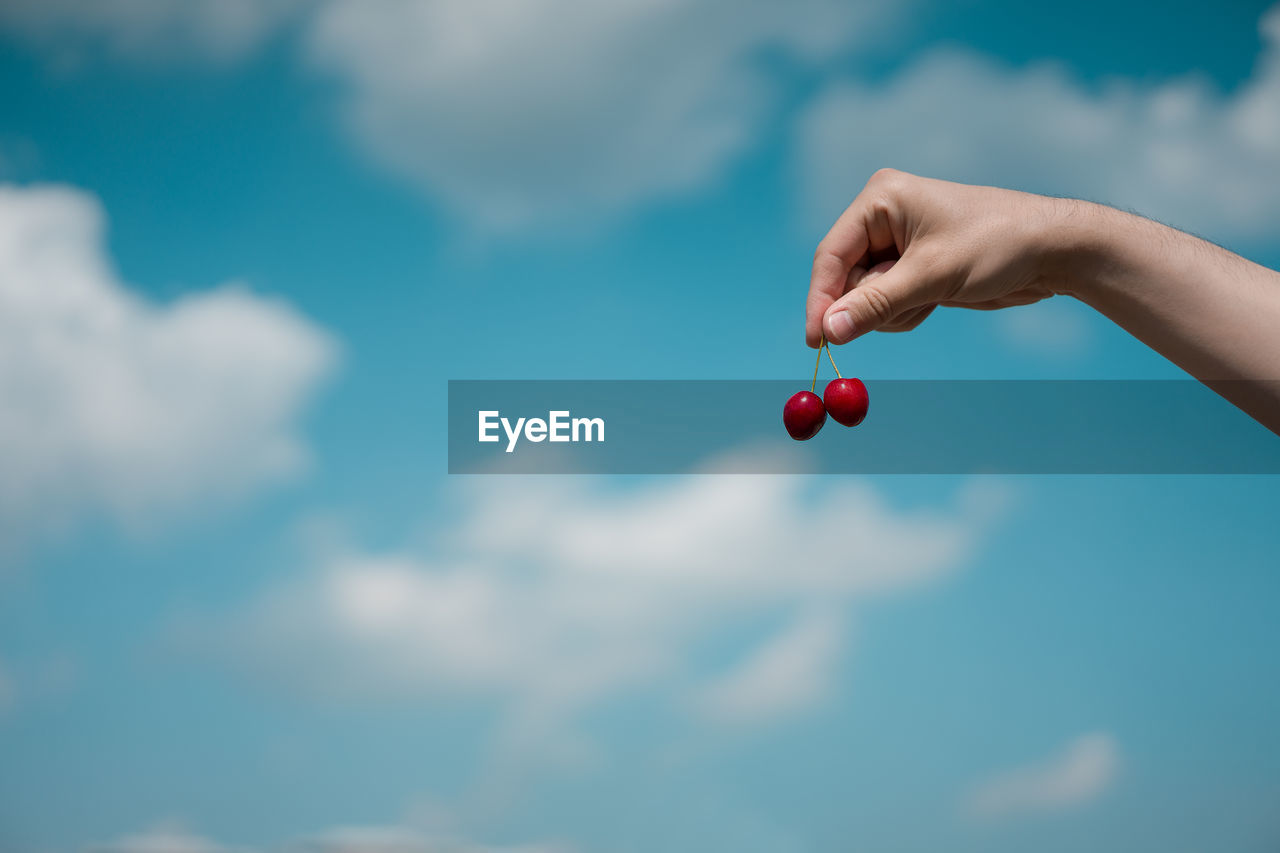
(1213, 313)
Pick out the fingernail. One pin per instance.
(839, 327)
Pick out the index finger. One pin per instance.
(865, 226)
(836, 255)
(835, 258)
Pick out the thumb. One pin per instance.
(884, 292)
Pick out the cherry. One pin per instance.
(806, 412)
(846, 400)
(803, 415)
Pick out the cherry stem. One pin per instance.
(813, 387)
(833, 361)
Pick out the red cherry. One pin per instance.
(804, 415)
(846, 400)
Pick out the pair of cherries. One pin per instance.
(844, 399)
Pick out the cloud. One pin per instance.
(788, 673)
(1179, 151)
(164, 839)
(514, 112)
(550, 595)
(519, 111)
(217, 31)
(395, 839)
(372, 839)
(117, 406)
(1079, 773)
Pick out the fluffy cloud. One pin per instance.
(118, 406)
(511, 111)
(1077, 774)
(515, 111)
(189, 30)
(549, 595)
(1178, 151)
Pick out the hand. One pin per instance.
(908, 244)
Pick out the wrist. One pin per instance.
(1075, 241)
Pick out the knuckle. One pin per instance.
(826, 258)
(887, 179)
(894, 185)
(879, 304)
(881, 207)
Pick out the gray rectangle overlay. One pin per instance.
(913, 427)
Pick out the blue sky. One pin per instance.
(243, 246)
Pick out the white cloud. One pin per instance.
(518, 111)
(371, 839)
(1079, 773)
(514, 112)
(790, 672)
(1179, 151)
(721, 535)
(118, 406)
(146, 30)
(523, 112)
(164, 839)
(395, 839)
(549, 595)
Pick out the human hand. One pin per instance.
(909, 244)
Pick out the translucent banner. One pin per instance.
(912, 427)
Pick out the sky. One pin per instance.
(243, 607)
